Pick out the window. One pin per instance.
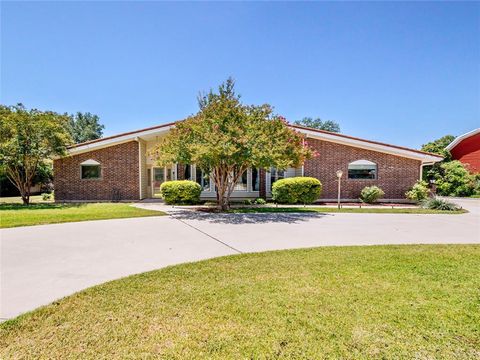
(187, 172)
(149, 177)
(90, 169)
(255, 180)
(203, 179)
(241, 184)
(362, 169)
(276, 175)
(158, 175)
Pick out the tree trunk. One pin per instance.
(26, 199)
(24, 193)
(225, 182)
(21, 182)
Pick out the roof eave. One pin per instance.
(370, 145)
(460, 138)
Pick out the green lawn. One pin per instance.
(377, 302)
(18, 199)
(14, 214)
(343, 210)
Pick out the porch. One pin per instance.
(253, 183)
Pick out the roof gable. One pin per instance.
(310, 132)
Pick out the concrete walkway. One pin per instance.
(40, 264)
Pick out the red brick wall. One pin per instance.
(119, 180)
(395, 174)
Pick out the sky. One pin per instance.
(402, 73)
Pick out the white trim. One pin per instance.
(369, 146)
(310, 133)
(460, 138)
(362, 162)
(90, 162)
(139, 168)
(116, 141)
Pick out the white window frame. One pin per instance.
(91, 162)
(362, 162)
(193, 175)
(173, 169)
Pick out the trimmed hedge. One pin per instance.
(296, 190)
(181, 192)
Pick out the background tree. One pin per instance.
(327, 125)
(438, 146)
(432, 172)
(85, 127)
(226, 137)
(28, 138)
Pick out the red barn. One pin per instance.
(466, 148)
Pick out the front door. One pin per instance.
(159, 176)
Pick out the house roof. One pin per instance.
(460, 138)
(150, 132)
(356, 139)
(133, 133)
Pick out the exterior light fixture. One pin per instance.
(339, 174)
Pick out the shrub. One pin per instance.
(453, 179)
(47, 196)
(439, 204)
(296, 190)
(476, 190)
(180, 192)
(260, 201)
(248, 202)
(371, 194)
(418, 192)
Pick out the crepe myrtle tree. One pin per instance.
(227, 137)
(28, 138)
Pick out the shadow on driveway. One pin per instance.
(248, 218)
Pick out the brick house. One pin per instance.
(466, 148)
(119, 168)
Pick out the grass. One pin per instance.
(18, 199)
(343, 210)
(378, 302)
(14, 214)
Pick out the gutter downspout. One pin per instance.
(137, 139)
(421, 168)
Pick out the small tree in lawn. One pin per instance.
(226, 137)
(27, 139)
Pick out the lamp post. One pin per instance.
(339, 176)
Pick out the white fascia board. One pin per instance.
(371, 146)
(460, 138)
(116, 141)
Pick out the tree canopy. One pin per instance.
(438, 146)
(27, 139)
(85, 127)
(317, 123)
(226, 137)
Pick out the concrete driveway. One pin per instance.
(40, 264)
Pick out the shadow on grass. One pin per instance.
(248, 218)
(40, 206)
